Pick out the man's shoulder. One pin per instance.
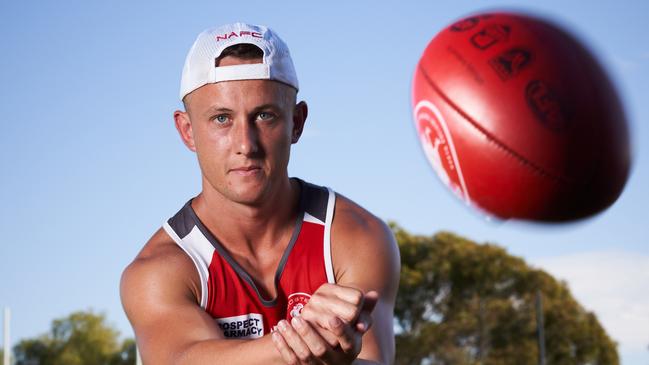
(352, 221)
(159, 249)
(160, 263)
(349, 217)
(364, 250)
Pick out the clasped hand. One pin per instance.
(329, 329)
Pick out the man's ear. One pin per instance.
(184, 127)
(299, 118)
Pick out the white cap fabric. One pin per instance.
(200, 65)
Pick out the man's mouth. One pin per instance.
(246, 170)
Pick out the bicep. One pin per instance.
(165, 318)
(379, 271)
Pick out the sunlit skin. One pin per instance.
(242, 137)
(242, 132)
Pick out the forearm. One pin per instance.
(260, 351)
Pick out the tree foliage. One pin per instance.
(82, 338)
(463, 303)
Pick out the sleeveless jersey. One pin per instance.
(228, 292)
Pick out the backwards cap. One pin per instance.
(200, 65)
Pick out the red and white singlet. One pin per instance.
(229, 294)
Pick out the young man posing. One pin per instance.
(259, 268)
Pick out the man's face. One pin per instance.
(242, 132)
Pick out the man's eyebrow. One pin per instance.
(267, 106)
(217, 109)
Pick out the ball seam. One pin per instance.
(491, 137)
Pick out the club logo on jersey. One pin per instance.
(296, 303)
(439, 148)
(248, 326)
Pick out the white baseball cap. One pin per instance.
(200, 65)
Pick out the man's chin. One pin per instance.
(248, 194)
(249, 190)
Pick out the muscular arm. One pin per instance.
(366, 267)
(159, 294)
(366, 257)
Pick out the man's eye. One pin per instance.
(265, 116)
(221, 119)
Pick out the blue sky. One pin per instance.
(92, 165)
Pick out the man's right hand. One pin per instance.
(330, 327)
(340, 310)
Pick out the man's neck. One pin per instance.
(249, 227)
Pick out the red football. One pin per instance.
(518, 119)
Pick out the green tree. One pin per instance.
(125, 355)
(464, 303)
(82, 338)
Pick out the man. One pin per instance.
(259, 268)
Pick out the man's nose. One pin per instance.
(246, 138)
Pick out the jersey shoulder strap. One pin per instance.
(183, 230)
(319, 206)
